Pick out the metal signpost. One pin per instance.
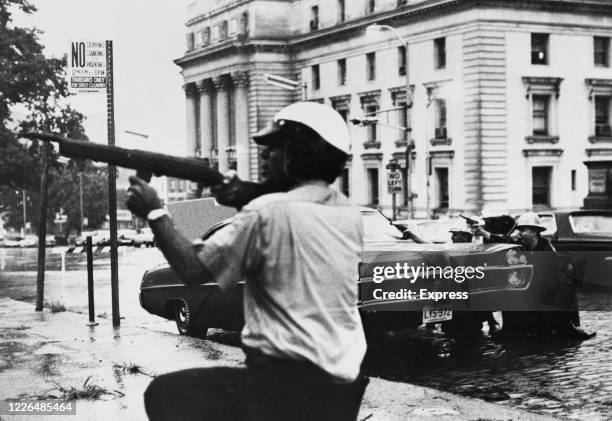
(90, 69)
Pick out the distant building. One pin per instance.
(511, 100)
(172, 189)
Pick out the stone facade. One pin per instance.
(511, 101)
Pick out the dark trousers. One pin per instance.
(268, 389)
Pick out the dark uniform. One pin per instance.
(554, 292)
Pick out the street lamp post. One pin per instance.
(25, 218)
(409, 144)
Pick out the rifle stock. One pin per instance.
(146, 163)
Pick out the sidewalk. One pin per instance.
(44, 351)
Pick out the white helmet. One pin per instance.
(530, 220)
(320, 118)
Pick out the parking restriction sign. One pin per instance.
(87, 66)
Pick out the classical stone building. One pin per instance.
(510, 99)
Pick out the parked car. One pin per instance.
(82, 238)
(197, 308)
(125, 237)
(12, 240)
(144, 238)
(50, 241)
(98, 238)
(434, 230)
(29, 241)
(586, 235)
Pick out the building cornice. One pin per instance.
(232, 46)
(215, 12)
(413, 12)
(395, 17)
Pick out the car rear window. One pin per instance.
(591, 224)
(377, 228)
(437, 231)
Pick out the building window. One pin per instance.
(601, 47)
(190, 41)
(344, 182)
(440, 119)
(373, 186)
(440, 53)
(573, 177)
(442, 184)
(216, 32)
(223, 31)
(371, 112)
(233, 26)
(206, 36)
(341, 10)
(401, 60)
(371, 66)
(539, 48)
(371, 6)
(316, 77)
(540, 115)
(244, 23)
(540, 187)
(314, 18)
(342, 72)
(341, 104)
(398, 96)
(602, 116)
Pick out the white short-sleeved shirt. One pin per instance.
(298, 253)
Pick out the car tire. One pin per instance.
(185, 321)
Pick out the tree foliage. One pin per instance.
(35, 85)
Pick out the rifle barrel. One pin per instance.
(159, 164)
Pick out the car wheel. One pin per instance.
(185, 321)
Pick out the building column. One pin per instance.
(241, 121)
(191, 97)
(222, 84)
(205, 88)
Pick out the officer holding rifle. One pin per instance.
(297, 249)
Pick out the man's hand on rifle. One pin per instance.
(142, 198)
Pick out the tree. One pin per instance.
(36, 84)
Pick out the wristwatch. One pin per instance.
(155, 214)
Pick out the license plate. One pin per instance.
(437, 313)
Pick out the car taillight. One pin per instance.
(517, 278)
(513, 257)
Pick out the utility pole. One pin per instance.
(42, 229)
(409, 143)
(24, 212)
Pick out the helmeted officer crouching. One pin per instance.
(297, 249)
(553, 290)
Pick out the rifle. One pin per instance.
(145, 163)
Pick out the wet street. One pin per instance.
(571, 380)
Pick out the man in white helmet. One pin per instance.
(553, 288)
(297, 249)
